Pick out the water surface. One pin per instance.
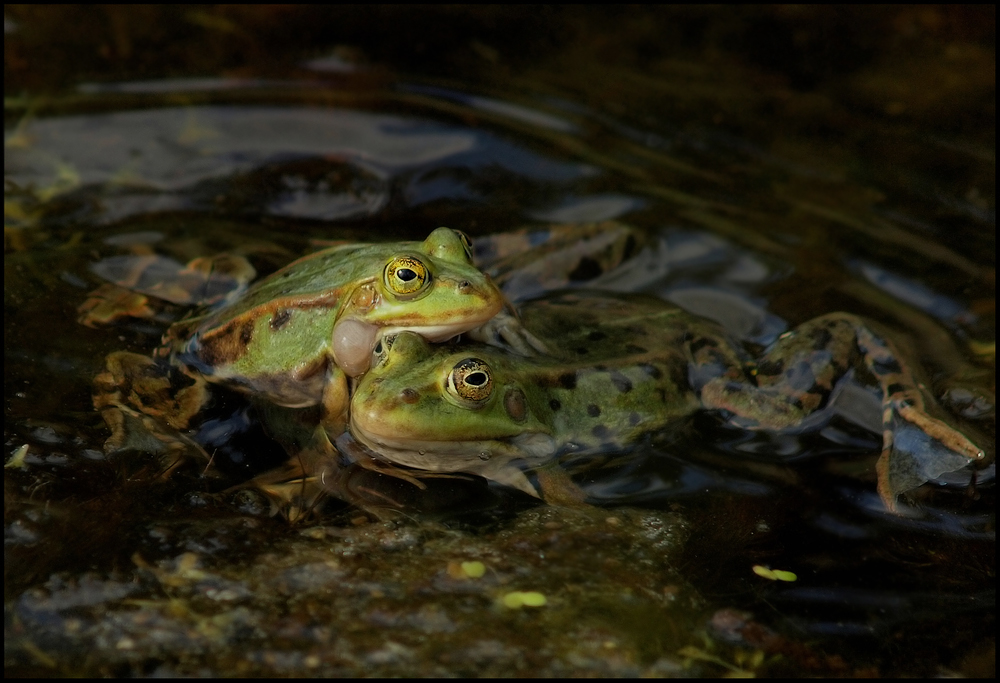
(777, 192)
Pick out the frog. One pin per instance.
(295, 337)
(623, 366)
(291, 340)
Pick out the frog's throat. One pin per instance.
(494, 460)
(354, 339)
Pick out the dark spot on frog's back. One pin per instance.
(601, 432)
(632, 348)
(702, 342)
(886, 366)
(280, 319)
(246, 332)
(567, 380)
(821, 339)
(621, 382)
(555, 404)
(593, 410)
(596, 336)
(651, 370)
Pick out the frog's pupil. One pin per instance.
(405, 274)
(476, 379)
(378, 348)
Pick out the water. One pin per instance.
(852, 175)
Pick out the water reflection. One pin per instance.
(745, 232)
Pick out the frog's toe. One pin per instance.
(523, 342)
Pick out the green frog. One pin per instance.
(295, 337)
(292, 339)
(621, 366)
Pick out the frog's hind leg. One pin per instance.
(796, 377)
(907, 427)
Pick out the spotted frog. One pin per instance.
(621, 366)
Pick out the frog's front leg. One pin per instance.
(335, 401)
(796, 376)
(504, 330)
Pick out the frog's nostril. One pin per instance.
(464, 286)
(409, 395)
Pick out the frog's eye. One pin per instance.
(466, 243)
(406, 275)
(381, 350)
(471, 380)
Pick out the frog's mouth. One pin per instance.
(436, 333)
(443, 331)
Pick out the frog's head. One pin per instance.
(434, 289)
(430, 287)
(447, 409)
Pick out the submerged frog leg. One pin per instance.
(796, 376)
(295, 489)
(903, 408)
(725, 381)
(335, 401)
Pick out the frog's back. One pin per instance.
(619, 364)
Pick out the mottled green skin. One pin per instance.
(621, 366)
(278, 340)
(618, 368)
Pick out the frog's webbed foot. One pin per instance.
(506, 331)
(293, 489)
(917, 448)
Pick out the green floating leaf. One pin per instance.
(774, 574)
(519, 599)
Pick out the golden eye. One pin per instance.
(466, 243)
(406, 275)
(471, 380)
(381, 350)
